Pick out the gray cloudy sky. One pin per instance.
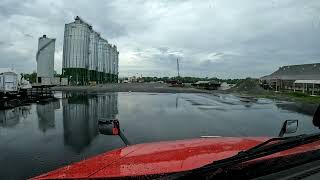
(223, 38)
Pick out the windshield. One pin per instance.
(84, 78)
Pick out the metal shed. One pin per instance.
(304, 82)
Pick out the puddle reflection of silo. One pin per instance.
(114, 105)
(79, 121)
(93, 117)
(46, 115)
(9, 118)
(25, 111)
(108, 106)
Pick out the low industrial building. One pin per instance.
(303, 77)
(87, 57)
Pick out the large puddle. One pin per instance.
(38, 138)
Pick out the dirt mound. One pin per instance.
(248, 85)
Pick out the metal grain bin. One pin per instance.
(76, 51)
(109, 58)
(115, 60)
(100, 55)
(100, 73)
(76, 44)
(86, 55)
(93, 55)
(107, 51)
(105, 60)
(114, 50)
(117, 63)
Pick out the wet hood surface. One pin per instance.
(161, 157)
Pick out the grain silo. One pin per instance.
(45, 59)
(93, 55)
(105, 61)
(117, 66)
(100, 60)
(76, 51)
(113, 63)
(86, 55)
(109, 62)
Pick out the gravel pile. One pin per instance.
(248, 85)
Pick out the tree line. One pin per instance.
(189, 79)
(32, 78)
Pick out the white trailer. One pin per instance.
(8, 81)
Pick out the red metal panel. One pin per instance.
(164, 157)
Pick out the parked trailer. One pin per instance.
(8, 82)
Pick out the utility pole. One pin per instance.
(178, 68)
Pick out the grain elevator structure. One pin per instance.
(45, 60)
(88, 57)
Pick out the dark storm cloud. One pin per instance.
(221, 38)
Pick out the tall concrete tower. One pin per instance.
(45, 58)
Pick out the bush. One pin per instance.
(298, 94)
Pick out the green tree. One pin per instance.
(32, 78)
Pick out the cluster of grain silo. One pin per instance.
(87, 57)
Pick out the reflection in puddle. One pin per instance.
(81, 114)
(308, 109)
(46, 115)
(67, 130)
(11, 117)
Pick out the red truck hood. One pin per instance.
(162, 157)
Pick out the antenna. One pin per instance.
(178, 68)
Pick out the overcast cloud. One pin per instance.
(222, 38)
